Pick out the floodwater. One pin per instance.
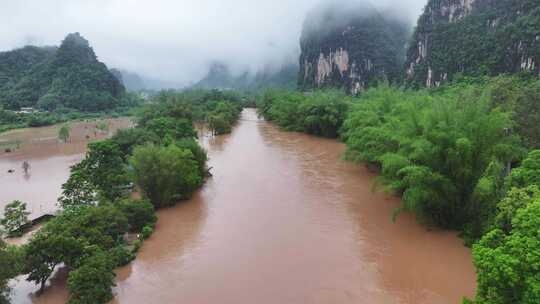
(285, 220)
(49, 161)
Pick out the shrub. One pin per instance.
(137, 244)
(147, 231)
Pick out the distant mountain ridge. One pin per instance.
(219, 76)
(135, 82)
(68, 76)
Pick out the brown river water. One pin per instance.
(285, 220)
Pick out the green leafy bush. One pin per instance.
(147, 231)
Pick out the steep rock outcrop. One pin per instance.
(351, 47)
(474, 37)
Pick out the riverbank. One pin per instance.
(285, 220)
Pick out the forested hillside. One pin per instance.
(69, 76)
(474, 37)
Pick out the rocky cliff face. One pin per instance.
(350, 47)
(474, 37)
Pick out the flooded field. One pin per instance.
(285, 220)
(49, 161)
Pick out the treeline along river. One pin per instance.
(285, 220)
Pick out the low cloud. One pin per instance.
(173, 40)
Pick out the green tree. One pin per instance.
(102, 225)
(175, 128)
(138, 212)
(528, 173)
(15, 218)
(103, 126)
(71, 237)
(92, 282)
(101, 172)
(63, 132)
(218, 124)
(45, 251)
(516, 199)
(508, 264)
(127, 139)
(165, 174)
(11, 259)
(198, 153)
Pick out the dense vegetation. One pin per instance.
(458, 157)
(319, 113)
(506, 257)
(160, 159)
(68, 77)
(219, 109)
(13, 120)
(444, 152)
(488, 38)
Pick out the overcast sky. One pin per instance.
(172, 40)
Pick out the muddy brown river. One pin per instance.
(285, 220)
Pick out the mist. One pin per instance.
(174, 40)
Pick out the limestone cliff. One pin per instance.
(474, 37)
(350, 47)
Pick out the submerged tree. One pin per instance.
(92, 282)
(15, 218)
(45, 252)
(165, 174)
(101, 172)
(26, 167)
(63, 133)
(11, 259)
